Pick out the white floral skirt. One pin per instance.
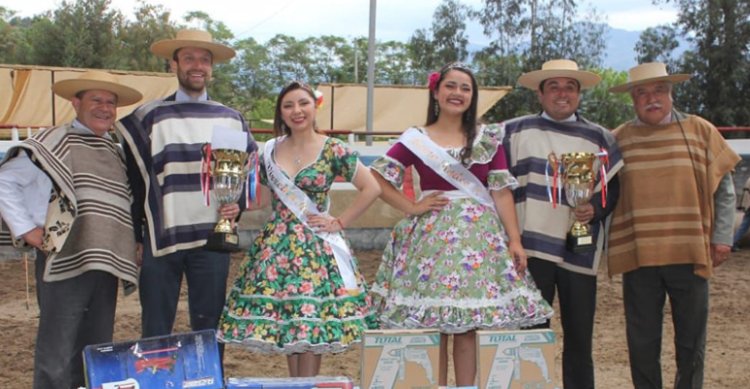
(450, 270)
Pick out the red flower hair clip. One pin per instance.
(432, 80)
(318, 98)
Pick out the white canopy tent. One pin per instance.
(396, 107)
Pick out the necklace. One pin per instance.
(297, 161)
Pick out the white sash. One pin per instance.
(437, 159)
(298, 202)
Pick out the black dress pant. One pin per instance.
(73, 313)
(577, 295)
(644, 291)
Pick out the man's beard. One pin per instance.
(185, 83)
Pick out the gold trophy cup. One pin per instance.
(228, 172)
(578, 182)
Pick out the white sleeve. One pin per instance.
(18, 177)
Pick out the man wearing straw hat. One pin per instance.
(673, 224)
(163, 142)
(529, 141)
(65, 192)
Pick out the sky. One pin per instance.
(395, 19)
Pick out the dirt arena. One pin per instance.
(726, 351)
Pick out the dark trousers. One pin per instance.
(577, 295)
(644, 292)
(73, 313)
(206, 273)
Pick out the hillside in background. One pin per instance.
(620, 52)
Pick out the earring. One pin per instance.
(437, 108)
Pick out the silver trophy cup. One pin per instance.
(228, 174)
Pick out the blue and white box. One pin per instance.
(189, 360)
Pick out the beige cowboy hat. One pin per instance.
(165, 48)
(97, 79)
(559, 68)
(648, 72)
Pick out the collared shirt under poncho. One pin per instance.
(666, 210)
(87, 224)
(164, 138)
(528, 141)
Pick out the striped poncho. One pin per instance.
(163, 142)
(88, 224)
(528, 141)
(666, 210)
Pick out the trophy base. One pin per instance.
(225, 242)
(580, 244)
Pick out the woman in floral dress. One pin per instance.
(448, 265)
(291, 295)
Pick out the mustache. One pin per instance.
(654, 105)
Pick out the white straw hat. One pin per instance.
(165, 48)
(559, 68)
(648, 72)
(97, 79)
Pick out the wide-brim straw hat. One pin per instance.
(165, 48)
(648, 72)
(559, 68)
(99, 80)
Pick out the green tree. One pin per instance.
(526, 33)
(499, 70)
(253, 87)
(330, 60)
(656, 44)
(719, 31)
(76, 34)
(393, 65)
(289, 59)
(83, 34)
(605, 108)
(445, 42)
(8, 36)
(150, 24)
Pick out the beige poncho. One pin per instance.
(666, 208)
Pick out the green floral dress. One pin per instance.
(290, 296)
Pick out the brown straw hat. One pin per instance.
(165, 48)
(100, 80)
(648, 72)
(558, 68)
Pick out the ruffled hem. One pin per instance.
(450, 328)
(390, 169)
(500, 179)
(263, 347)
(486, 144)
(455, 317)
(294, 334)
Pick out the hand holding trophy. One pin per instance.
(577, 172)
(225, 165)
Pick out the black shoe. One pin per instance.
(735, 249)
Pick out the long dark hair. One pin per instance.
(279, 127)
(469, 118)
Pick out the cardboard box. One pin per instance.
(400, 359)
(189, 360)
(516, 359)
(318, 382)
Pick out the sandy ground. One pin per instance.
(726, 351)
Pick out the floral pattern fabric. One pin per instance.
(289, 296)
(450, 269)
